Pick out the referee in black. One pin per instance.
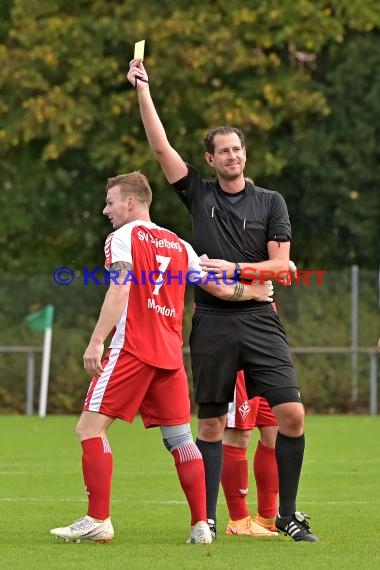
(240, 228)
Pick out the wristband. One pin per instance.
(238, 292)
(140, 79)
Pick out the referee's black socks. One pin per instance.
(289, 455)
(212, 453)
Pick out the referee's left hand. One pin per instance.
(291, 275)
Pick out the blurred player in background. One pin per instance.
(243, 416)
(143, 370)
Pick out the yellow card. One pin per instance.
(139, 49)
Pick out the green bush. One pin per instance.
(312, 315)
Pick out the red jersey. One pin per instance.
(151, 325)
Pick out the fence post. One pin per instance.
(354, 331)
(29, 383)
(373, 383)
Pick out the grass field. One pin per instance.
(41, 487)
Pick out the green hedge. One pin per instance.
(313, 316)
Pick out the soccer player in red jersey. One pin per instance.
(143, 370)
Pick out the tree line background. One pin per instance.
(301, 78)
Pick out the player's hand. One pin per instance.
(137, 72)
(92, 358)
(260, 291)
(292, 268)
(287, 279)
(219, 267)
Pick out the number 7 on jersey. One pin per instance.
(163, 262)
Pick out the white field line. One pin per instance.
(84, 500)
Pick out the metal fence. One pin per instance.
(332, 328)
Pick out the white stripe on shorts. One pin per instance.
(101, 385)
(231, 414)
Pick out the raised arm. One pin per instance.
(171, 163)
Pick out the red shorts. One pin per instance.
(128, 386)
(248, 414)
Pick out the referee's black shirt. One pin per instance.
(234, 227)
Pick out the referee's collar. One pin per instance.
(248, 187)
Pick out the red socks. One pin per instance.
(191, 474)
(97, 466)
(266, 475)
(97, 474)
(235, 481)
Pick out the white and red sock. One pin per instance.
(191, 475)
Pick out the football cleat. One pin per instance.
(268, 523)
(85, 528)
(200, 534)
(248, 527)
(212, 526)
(297, 527)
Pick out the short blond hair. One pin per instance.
(132, 184)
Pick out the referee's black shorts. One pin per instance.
(222, 342)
